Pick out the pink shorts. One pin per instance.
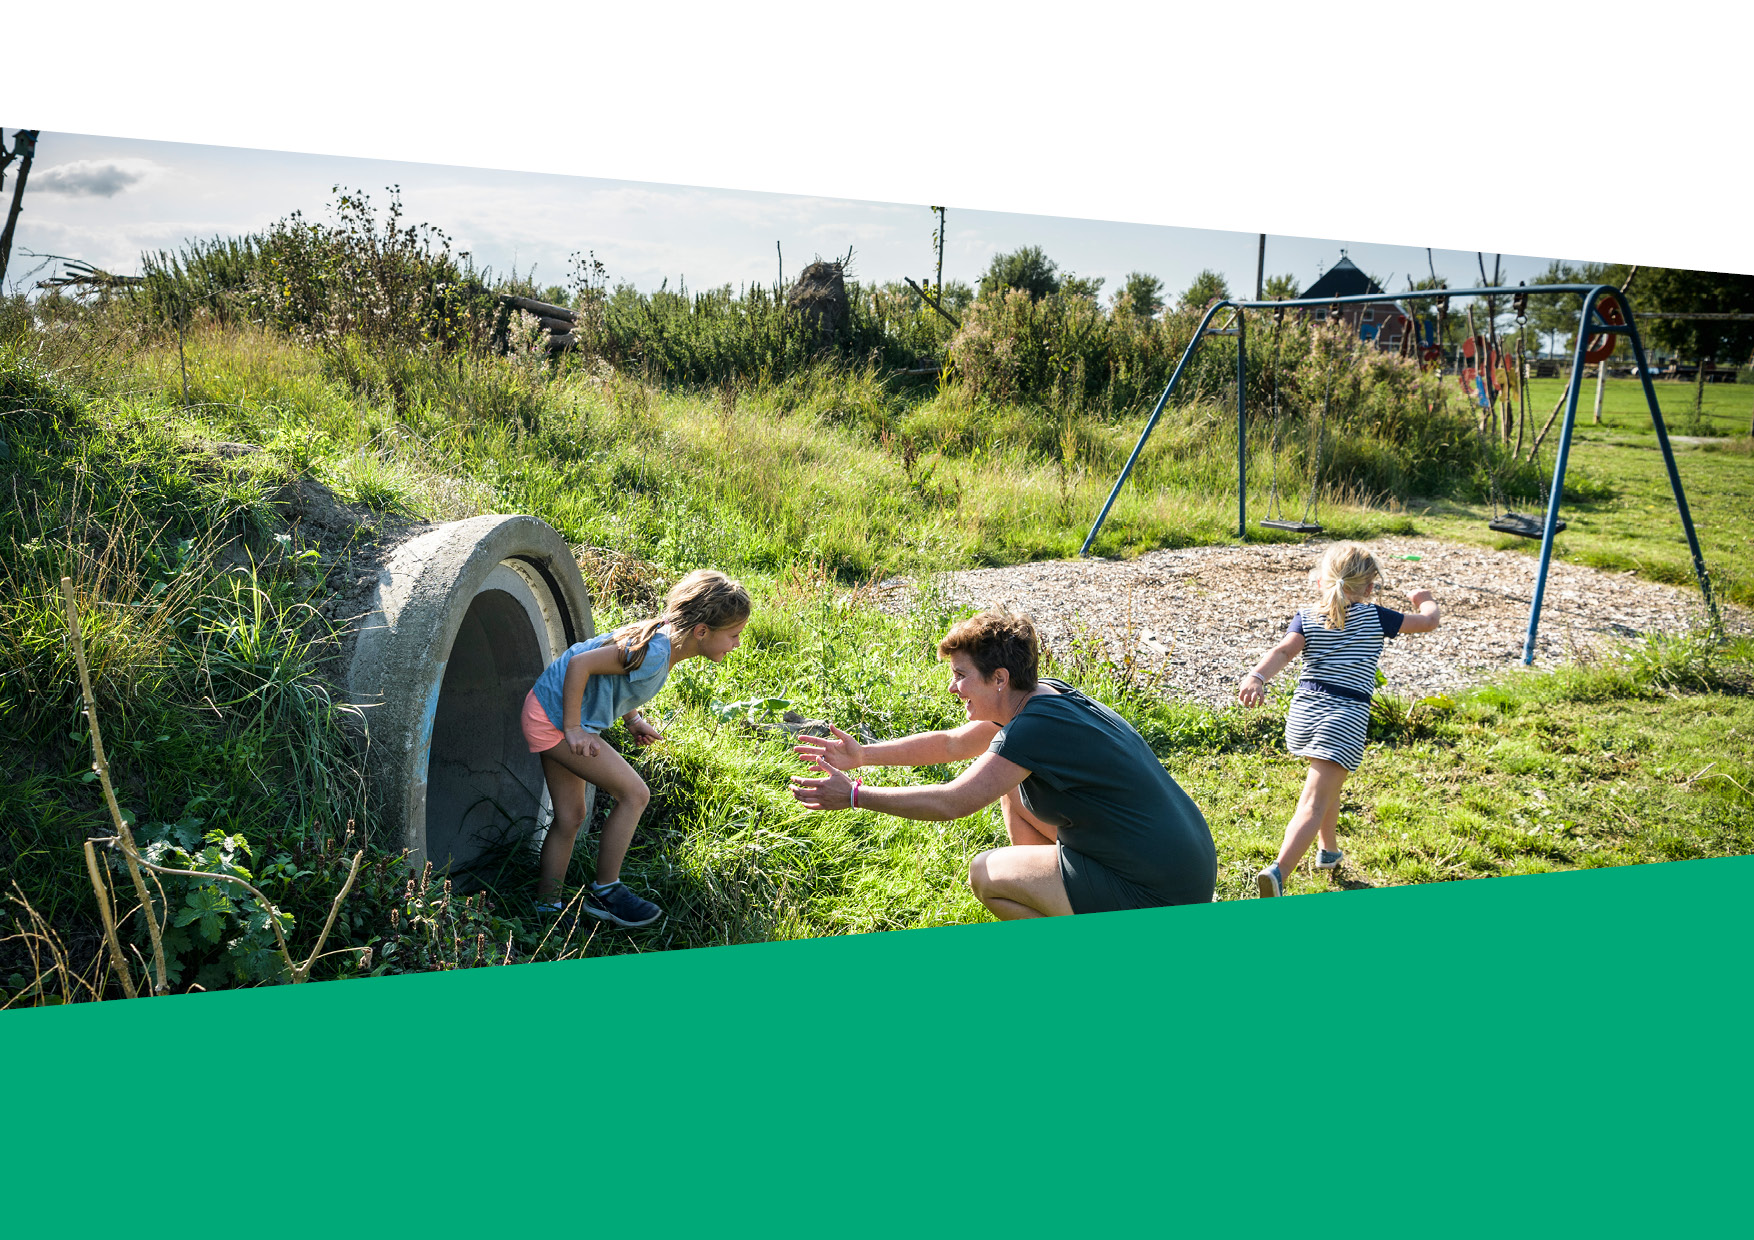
(539, 730)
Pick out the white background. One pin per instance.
(1607, 130)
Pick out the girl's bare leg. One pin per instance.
(566, 794)
(1318, 810)
(567, 773)
(1330, 840)
(1020, 881)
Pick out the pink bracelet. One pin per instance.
(857, 783)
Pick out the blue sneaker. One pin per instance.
(1269, 882)
(1326, 860)
(619, 906)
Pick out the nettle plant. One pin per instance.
(214, 930)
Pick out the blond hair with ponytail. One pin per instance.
(1343, 575)
(706, 596)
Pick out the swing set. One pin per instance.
(1486, 372)
(1606, 314)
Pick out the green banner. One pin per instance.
(1565, 1054)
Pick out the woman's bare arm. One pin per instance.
(921, 749)
(990, 778)
(929, 748)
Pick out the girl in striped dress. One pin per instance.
(1340, 641)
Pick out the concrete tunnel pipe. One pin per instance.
(460, 623)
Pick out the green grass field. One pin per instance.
(1728, 408)
(807, 488)
(1622, 514)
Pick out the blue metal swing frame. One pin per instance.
(1590, 323)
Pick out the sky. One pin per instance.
(107, 200)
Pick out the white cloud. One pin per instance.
(94, 178)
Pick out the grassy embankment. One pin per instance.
(805, 487)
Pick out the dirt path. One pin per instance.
(1215, 610)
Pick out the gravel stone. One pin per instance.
(1201, 617)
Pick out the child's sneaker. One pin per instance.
(1326, 860)
(619, 906)
(1269, 882)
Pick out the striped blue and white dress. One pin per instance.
(1330, 712)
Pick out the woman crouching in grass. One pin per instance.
(1095, 822)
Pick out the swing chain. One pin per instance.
(1273, 489)
(1311, 505)
(1315, 470)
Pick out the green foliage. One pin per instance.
(215, 277)
(1025, 270)
(723, 334)
(1207, 287)
(218, 934)
(1696, 662)
(199, 628)
(1284, 287)
(1087, 287)
(1017, 345)
(392, 285)
(34, 399)
(1555, 316)
(957, 295)
(1698, 292)
(433, 928)
(1373, 423)
(1141, 296)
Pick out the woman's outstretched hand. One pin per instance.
(840, 751)
(833, 791)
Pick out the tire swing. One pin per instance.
(1530, 525)
(1275, 518)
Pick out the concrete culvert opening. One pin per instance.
(462, 620)
(479, 771)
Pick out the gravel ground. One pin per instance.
(1201, 617)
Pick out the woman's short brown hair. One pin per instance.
(996, 639)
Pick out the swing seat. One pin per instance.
(1523, 525)
(1295, 527)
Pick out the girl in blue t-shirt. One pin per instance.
(1340, 642)
(582, 693)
